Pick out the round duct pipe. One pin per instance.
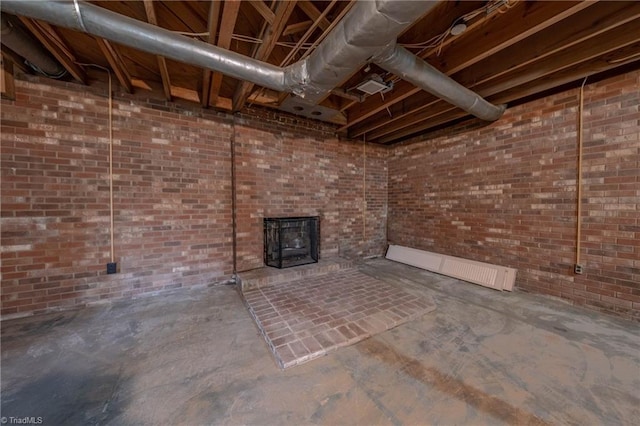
(18, 40)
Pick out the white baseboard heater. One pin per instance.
(484, 274)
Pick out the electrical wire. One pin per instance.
(247, 39)
(44, 73)
(111, 215)
(364, 188)
(579, 174)
(438, 40)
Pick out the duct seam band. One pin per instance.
(79, 16)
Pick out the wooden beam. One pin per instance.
(523, 19)
(263, 10)
(162, 62)
(273, 33)
(7, 85)
(588, 23)
(181, 14)
(312, 12)
(609, 42)
(60, 54)
(10, 55)
(48, 29)
(115, 61)
(291, 55)
(605, 63)
(318, 40)
(229, 16)
(212, 28)
(296, 28)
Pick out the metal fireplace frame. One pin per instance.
(279, 249)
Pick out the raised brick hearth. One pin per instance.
(303, 316)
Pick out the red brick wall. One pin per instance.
(292, 167)
(506, 194)
(172, 193)
(171, 197)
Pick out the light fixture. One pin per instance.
(458, 27)
(374, 84)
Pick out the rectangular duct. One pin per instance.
(484, 274)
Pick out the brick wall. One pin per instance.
(172, 199)
(293, 167)
(506, 194)
(172, 193)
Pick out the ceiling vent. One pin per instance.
(374, 84)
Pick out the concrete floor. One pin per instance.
(196, 357)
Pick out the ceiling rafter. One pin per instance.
(322, 36)
(598, 19)
(229, 16)
(315, 24)
(539, 16)
(291, 55)
(510, 51)
(559, 58)
(263, 10)
(617, 44)
(273, 33)
(63, 54)
(599, 65)
(162, 62)
(215, 6)
(297, 27)
(595, 20)
(117, 64)
(312, 12)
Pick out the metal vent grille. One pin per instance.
(371, 87)
(464, 270)
(484, 274)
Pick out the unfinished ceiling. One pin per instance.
(506, 51)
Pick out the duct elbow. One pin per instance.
(487, 111)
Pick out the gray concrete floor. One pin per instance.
(195, 357)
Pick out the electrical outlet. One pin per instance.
(578, 269)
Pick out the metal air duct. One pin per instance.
(95, 20)
(399, 61)
(363, 32)
(36, 56)
(366, 33)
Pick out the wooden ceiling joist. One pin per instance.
(215, 6)
(461, 55)
(312, 12)
(593, 21)
(229, 16)
(297, 27)
(264, 11)
(567, 73)
(566, 76)
(162, 63)
(618, 36)
(62, 54)
(510, 51)
(273, 33)
(117, 64)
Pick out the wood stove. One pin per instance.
(291, 241)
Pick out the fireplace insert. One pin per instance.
(291, 241)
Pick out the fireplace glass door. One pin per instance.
(291, 241)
